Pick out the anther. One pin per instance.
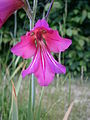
(43, 31)
(32, 33)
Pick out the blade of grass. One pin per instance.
(19, 81)
(39, 107)
(29, 114)
(18, 84)
(64, 80)
(17, 60)
(51, 108)
(14, 108)
(17, 69)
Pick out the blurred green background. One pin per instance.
(72, 19)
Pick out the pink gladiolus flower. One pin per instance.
(39, 42)
(7, 7)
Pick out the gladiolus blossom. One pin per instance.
(7, 7)
(40, 42)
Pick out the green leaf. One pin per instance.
(81, 42)
(84, 15)
(69, 32)
(16, 71)
(39, 108)
(88, 15)
(18, 84)
(14, 107)
(17, 60)
(76, 19)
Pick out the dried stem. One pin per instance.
(34, 9)
(27, 9)
(68, 111)
(49, 9)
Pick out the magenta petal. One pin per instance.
(41, 23)
(7, 7)
(33, 66)
(41, 69)
(44, 73)
(54, 65)
(56, 43)
(25, 48)
(0, 23)
(44, 67)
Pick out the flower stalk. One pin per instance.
(30, 88)
(33, 80)
(32, 84)
(31, 15)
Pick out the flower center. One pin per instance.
(39, 35)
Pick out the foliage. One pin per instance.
(70, 18)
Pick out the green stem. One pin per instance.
(29, 103)
(28, 10)
(15, 32)
(31, 89)
(33, 95)
(65, 15)
(69, 94)
(33, 80)
(64, 20)
(59, 60)
(15, 24)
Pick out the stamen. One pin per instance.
(43, 31)
(32, 33)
